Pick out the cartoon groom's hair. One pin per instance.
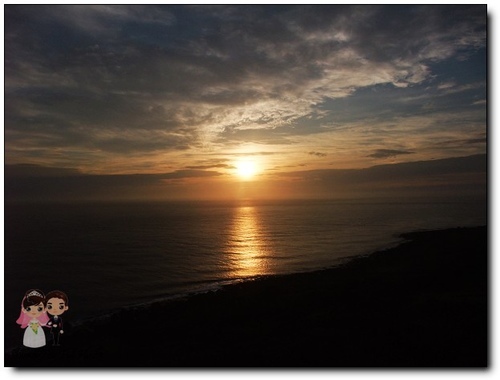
(57, 294)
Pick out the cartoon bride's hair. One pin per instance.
(31, 298)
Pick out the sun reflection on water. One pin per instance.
(246, 247)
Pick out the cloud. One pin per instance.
(103, 20)
(115, 80)
(37, 171)
(35, 182)
(318, 154)
(213, 166)
(388, 153)
(189, 173)
(409, 170)
(446, 85)
(453, 176)
(480, 102)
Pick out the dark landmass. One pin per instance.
(421, 304)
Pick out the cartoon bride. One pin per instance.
(32, 317)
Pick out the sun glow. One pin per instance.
(246, 169)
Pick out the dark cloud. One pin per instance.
(388, 153)
(37, 171)
(394, 172)
(213, 166)
(35, 182)
(476, 141)
(458, 176)
(318, 154)
(189, 173)
(453, 177)
(462, 143)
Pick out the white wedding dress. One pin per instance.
(34, 336)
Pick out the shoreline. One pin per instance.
(422, 303)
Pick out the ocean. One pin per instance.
(108, 256)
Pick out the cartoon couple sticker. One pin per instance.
(37, 310)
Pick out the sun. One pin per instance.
(246, 169)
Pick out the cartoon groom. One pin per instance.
(57, 304)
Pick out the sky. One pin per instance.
(244, 101)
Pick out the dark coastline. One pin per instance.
(421, 304)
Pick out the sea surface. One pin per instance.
(108, 256)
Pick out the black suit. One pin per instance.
(55, 324)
